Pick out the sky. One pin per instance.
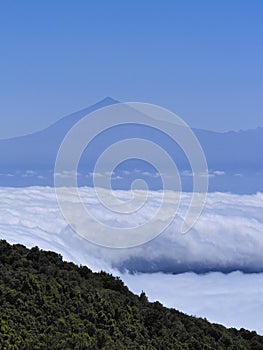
(201, 59)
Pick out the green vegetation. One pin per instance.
(46, 303)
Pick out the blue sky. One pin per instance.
(201, 59)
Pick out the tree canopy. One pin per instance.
(46, 303)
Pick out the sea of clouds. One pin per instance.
(213, 271)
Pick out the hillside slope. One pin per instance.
(46, 303)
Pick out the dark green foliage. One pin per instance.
(46, 303)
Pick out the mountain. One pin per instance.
(234, 159)
(46, 303)
(39, 149)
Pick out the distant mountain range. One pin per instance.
(235, 159)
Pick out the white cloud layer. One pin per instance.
(227, 237)
(234, 299)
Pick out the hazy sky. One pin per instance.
(202, 59)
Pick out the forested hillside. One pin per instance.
(46, 303)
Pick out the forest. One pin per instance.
(47, 303)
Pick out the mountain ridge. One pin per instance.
(107, 101)
(234, 155)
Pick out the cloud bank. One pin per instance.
(234, 299)
(227, 237)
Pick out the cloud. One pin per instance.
(227, 237)
(219, 172)
(29, 173)
(234, 299)
(187, 173)
(210, 174)
(67, 174)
